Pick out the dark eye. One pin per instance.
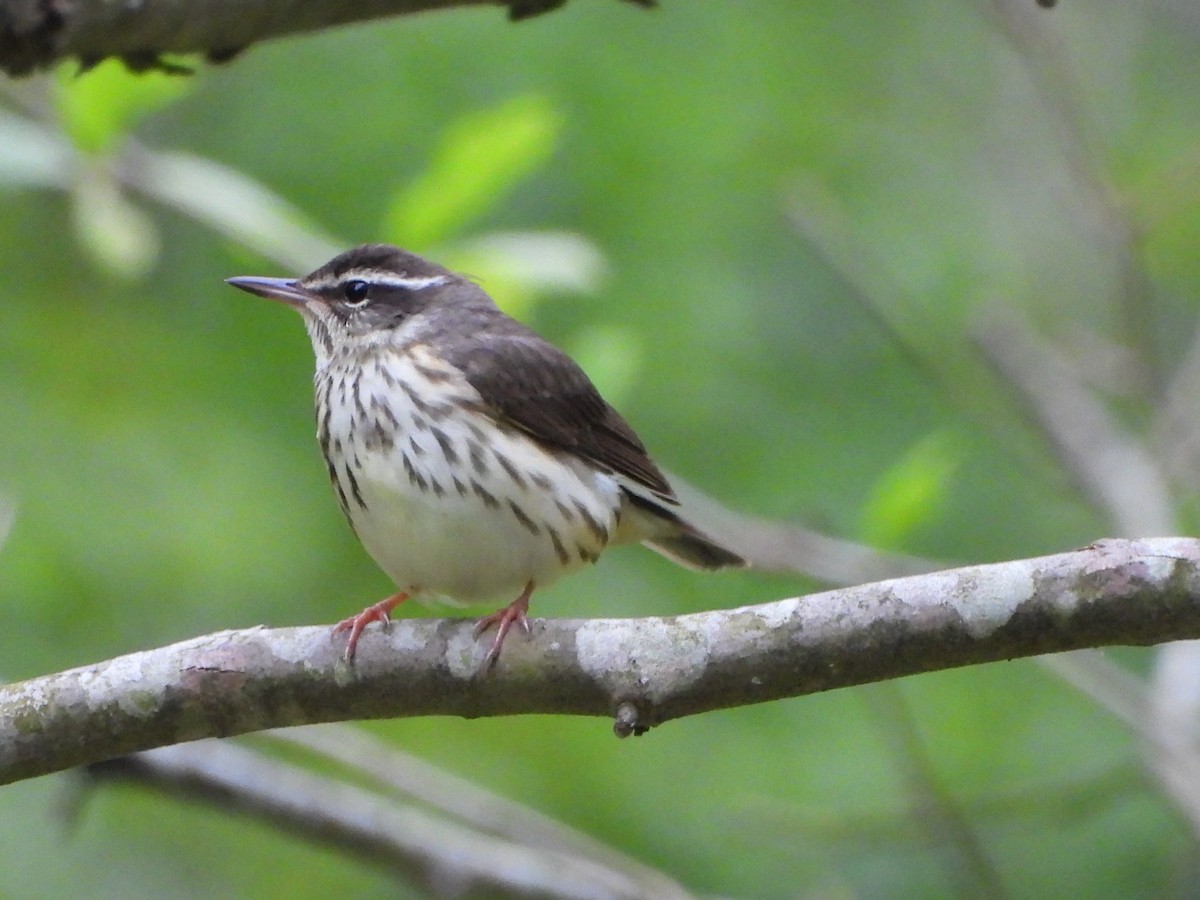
(356, 292)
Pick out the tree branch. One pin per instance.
(440, 856)
(391, 772)
(36, 33)
(640, 671)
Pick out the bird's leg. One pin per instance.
(504, 619)
(376, 612)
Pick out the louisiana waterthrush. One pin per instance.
(472, 458)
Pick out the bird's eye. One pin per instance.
(356, 292)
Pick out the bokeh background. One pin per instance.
(780, 236)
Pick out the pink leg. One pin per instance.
(504, 619)
(377, 612)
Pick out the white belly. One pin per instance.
(451, 509)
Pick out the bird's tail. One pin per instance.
(661, 528)
(696, 551)
(657, 522)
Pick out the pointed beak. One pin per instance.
(283, 289)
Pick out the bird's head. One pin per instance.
(363, 296)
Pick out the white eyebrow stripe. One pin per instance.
(412, 284)
(383, 279)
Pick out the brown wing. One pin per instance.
(532, 384)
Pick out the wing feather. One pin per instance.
(530, 383)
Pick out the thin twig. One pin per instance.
(1042, 49)
(484, 811)
(444, 857)
(773, 546)
(935, 808)
(1115, 471)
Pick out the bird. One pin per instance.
(474, 459)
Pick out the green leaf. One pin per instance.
(99, 106)
(911, 492)
(480, 157)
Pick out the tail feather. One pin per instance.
(662, 529)
(695, 551)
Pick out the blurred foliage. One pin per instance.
(802, 209)
(477, 160)
(911, 492)
(98, 108)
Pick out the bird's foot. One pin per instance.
(376, 612)
(504, 619)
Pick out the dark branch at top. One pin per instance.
(35, 34)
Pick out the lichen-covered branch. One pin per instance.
(640, 672)
(38, 33)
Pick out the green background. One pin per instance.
(804, 209)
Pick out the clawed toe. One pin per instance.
(377, 612)
(504, 619)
